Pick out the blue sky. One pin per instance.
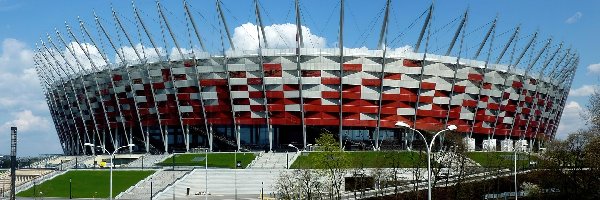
(22, 23)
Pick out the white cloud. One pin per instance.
(571, 119)
(584, 90)
(573, 19)
(95, 56)
(25, 121)
(22, 102)
(245, 37)
(14, 56)
(144, 51)
(594, 68)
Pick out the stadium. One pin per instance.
(267, 98)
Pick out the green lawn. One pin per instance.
(219, 160)
(501, 159)
(369, 159)
(87, 184)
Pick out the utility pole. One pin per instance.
(13, 161)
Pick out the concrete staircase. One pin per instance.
(273, 160)
(26, 177)
(159, 180)
(223, 182)
(147, 160)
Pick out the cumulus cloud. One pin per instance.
(25, 121)
(245, 37)
(65, 57)
(573, 19)
(584, 90)
(95, 56)
(14, 53)
(22, 102)
(571, 119)
(594, 68)
(175, 55)
(149, 53)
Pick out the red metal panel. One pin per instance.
(274, 94)
(237, 74)
(352, 67)
(256, 108)
(158, 86)
(511, 108)
(475, 77)
(213, 82)
(391, 97)
(371, 82)
(412, 63)
(311, 73)
(276, 107)
(350, 109)
(426, 99)
(459, 89)
(469, 103)
(441, 93)
(487, 86)
(351, 95)
(392, 76)
(183, 97)
(330, 80)
(254, 81)
(291, 87)
(271, 66)
(409, 98)
(255, 94)
(493, 106)
(330, 94)
(427, 86)
(369, 109)
(517, 84)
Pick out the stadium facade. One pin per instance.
(269, 98)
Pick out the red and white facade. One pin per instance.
(184, 101)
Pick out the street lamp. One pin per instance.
(520, 143)
(112, 155)
(70, 184)
(287, 159)
(290, 145)
(206, 174)
(429, 145)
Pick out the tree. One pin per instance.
(573, 165)
(309, 183)
(286, 186)
(332, 163)
(593, 108)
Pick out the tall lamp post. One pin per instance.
(287, 162)
(429, 146)
(112, 155)
(206, 174)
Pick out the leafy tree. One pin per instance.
(332, 163)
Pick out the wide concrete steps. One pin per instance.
(273, 161)
(224, 181)
(157, 181)
(147, 160)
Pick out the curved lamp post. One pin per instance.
(429, 146)
(112, 155)
(291, 145)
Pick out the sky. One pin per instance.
(23, 23)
